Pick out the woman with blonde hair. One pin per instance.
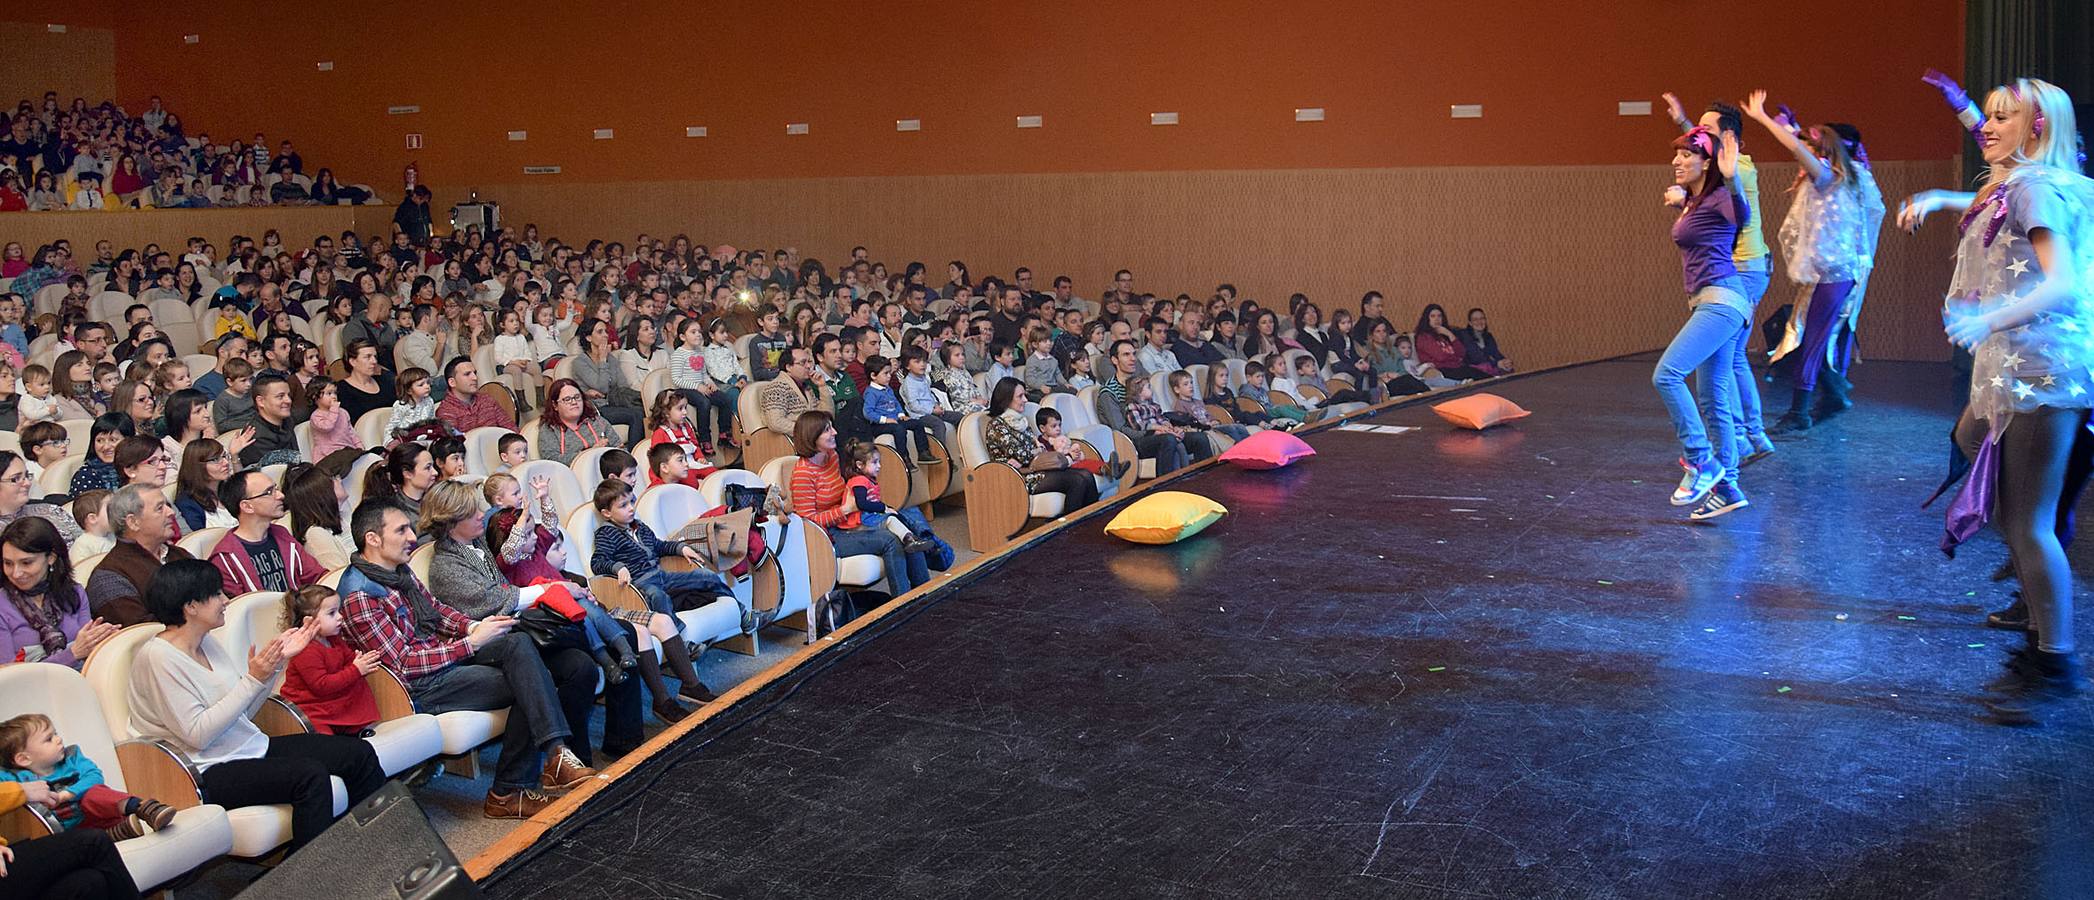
(2020, 302)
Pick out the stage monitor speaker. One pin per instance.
(382, 849)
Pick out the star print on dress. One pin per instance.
(1998, 381)
(2022, 390)
(2020, 267)
(2076, 390)
(2008, 239)
(2050, 380)
(2011, 361)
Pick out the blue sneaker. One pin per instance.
(1724, 498)
(1696, 483)
(1756, 448)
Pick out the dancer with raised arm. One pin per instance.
(2015, 617)
(1829, 241)
(1705, 189)
(1750, 259)
(2019, 301)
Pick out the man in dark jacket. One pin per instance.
(413, 215)
(274, 440)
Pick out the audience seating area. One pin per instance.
(103, 157)
(514, 355)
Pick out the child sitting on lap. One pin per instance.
(1052, 439)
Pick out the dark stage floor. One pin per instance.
(1433, 664)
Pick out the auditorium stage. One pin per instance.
(1433, 664)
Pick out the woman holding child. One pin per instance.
(1012, 440)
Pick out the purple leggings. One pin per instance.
(1826, 300)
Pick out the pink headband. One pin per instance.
(1703, 141)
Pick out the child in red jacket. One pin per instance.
(327, 680)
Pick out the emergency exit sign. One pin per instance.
(414, 140)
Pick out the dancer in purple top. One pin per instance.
(1706, 191)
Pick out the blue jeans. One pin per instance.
(901, 567)
(601, 628)
(657, 585)
(1745, 412)
(709, 408)
(1704, 347)
(1748, 424)
(901, 432)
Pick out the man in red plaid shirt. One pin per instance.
(452, 663)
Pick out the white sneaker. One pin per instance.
(1697, 483)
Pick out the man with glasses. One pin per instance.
(793, 392)
(451, 663)
(258, 554)
(93, 339)
(274, 442)
(1122, 287)
(322, 255)
(144, 525)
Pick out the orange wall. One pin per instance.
(79, 62)
(1547, 72)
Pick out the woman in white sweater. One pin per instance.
(190, 692)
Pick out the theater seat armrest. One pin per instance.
(27, 823)
(614, 594)
(155, 769)
(394, 702)
(278, 717)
